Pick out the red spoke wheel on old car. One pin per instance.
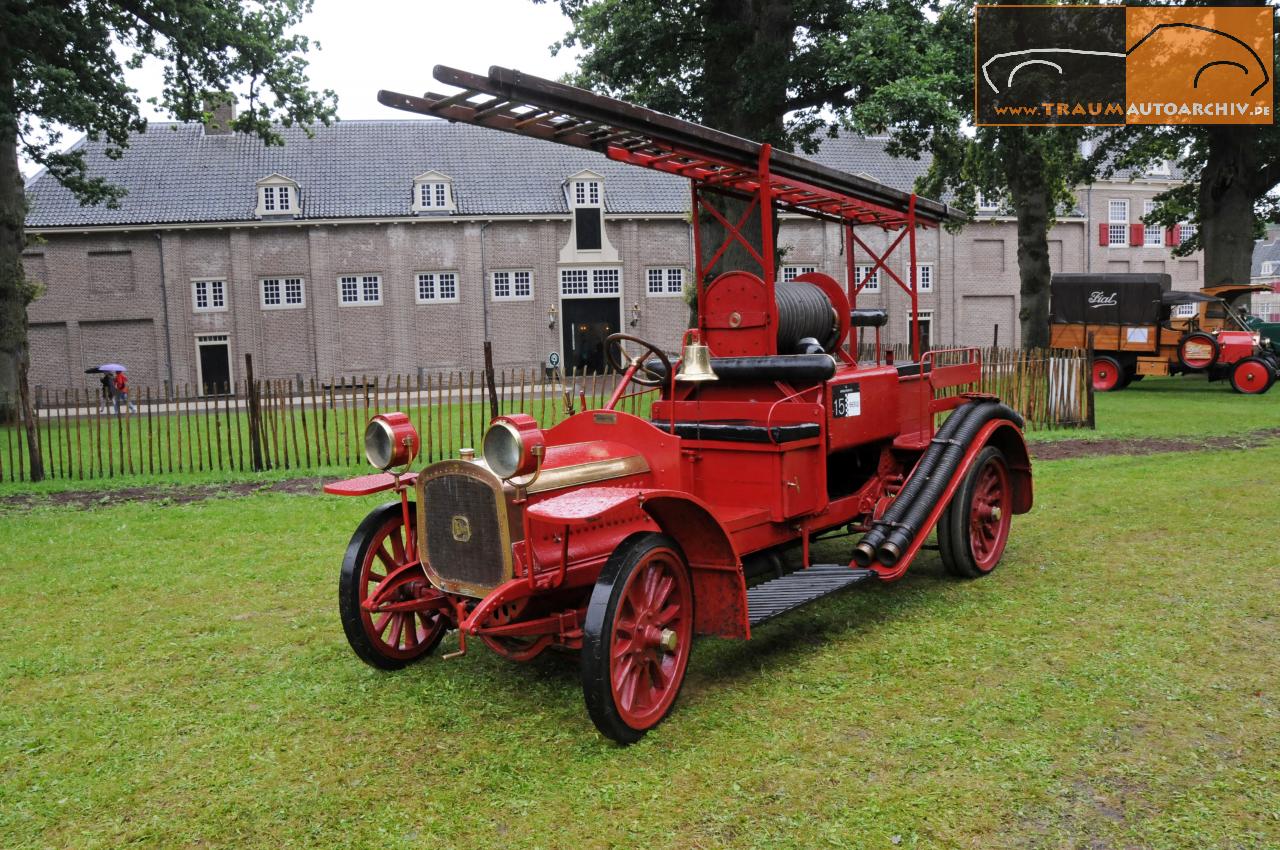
(1108, 375)
(388, 641)
(1252, 376)
(637, 637)
(974, 528)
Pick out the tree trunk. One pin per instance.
(1032, 201)
(1227, 195)
(14, 296)
(745, 102)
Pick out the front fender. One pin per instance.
(719, 590)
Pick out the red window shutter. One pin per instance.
(1176, 230)
(1135, 234)
(1103, 235)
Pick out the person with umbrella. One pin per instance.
(108, 394)
(115, 385)
(122, 392)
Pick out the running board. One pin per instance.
(774, 598)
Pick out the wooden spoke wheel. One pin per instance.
(1107, 374)
(974, 528)
(1252, 376)
(388, 641)
(637, 637)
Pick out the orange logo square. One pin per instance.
(1199, 65)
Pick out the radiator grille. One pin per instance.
(466, 544)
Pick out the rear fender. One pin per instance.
(1008, 439)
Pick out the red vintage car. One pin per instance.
(622, 537)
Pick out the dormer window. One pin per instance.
(433, 192)
(586, 193)
(278, 196)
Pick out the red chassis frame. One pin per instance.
(609, 481)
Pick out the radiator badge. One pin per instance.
(461, 528)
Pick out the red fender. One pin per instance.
(1006, 436)
(719, 590)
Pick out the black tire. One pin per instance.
(356, 623)
(1202, 338)
(955, 532)
(654, 555)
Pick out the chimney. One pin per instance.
(221, 111)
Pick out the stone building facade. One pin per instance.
(397, 246)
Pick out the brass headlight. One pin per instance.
(390, 440)
(513, 445)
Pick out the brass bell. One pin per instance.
(695, 364)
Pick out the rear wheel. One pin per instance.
(974, 528)
(1252, 376)
(1108, 374)
(387, 641)
(637, 637)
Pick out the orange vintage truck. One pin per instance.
(1140, 326)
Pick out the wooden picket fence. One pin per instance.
(318, 426)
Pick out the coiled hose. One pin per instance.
(926, 498)
(865, 552)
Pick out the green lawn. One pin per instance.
(175, 675)
(1181, 406)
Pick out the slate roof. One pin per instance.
(1264, 251)
(174, 173)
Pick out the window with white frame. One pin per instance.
(601, 281)
(860, 272)
(209, 296)
(511, 285)
(790, 273)
(664, 281)
(360, 289)
(278, 195)
(1186, 231)
(924, 277)
(586, 193)
(985, 203)
(606, 281)
(1183, 311)
(1152, 234)
(437, 287)
(1269, 267)
(575, 282)
(1118, 221)
(280, 293)
(432, 192)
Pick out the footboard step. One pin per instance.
(774, 598)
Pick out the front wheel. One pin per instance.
(974, 528)
(637, 637)
(1252, 376)
(387, 641)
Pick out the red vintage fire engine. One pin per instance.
(623, 537)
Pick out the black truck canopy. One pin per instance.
(1108, 299)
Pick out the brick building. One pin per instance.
(394, 246)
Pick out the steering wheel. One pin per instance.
(621, 361)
